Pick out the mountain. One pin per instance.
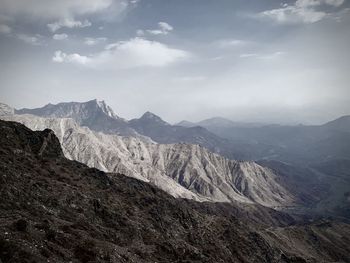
(100, 117)
(288, 153)
(153, 126)
(182, 170)
(300, 144)
(186, 124)
(218, 122)
(341, 124)
(96, 115)
(59, 210)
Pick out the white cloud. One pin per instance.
(308, 3)
(140, 33)
(60, 36)
(163, 29)
(60, 57)
(248, 55)
(224, 43)
(263, 56)
(90, 41)
(69, 23)
(35, 40)
(165, 26)
(5, 29)
(54, 9)
(302, 11)
(190, 79)
(136, 52)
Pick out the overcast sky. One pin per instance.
(247, 60)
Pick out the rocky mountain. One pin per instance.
(291, 154)
(57, 210)
(96, 115)
(100, 117)
(153, 126)
(182, 170)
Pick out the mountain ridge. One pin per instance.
(187, 171)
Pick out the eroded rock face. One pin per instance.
(182, 170)
(60, 210)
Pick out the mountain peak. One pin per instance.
(186, 124)
(149, 116)
(106, 109)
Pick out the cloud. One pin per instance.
(136, 52)
(263, 56)
(5, 29)
(35, 40)
(248, 55)
(90, 41)
(61, 57)
(302, 11)
(69, 23)
(190, 79)
(163, 29)
(140, 33)
(60, 36)
(54, 9)
(308, 3)
(225, 43)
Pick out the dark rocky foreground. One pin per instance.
(56, 210)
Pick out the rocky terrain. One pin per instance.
(296, 170)
(58, 210)
(98, 116)
(182, 170)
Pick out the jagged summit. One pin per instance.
(106, 109)
(70, 108)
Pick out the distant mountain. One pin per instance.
(153, 126)
(297, 144)
(217, 122)
(96, 115)
(186, 124)
(341, 124)
(182, 170)
(58, 210)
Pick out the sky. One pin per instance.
(247, 60)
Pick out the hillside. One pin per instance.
(59, 210)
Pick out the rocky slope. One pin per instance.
(57, 210)
(183, 170)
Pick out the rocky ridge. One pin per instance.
(183, 170)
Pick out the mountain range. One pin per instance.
(58, 210)
(185, 161)
(183, 170)
(298, 144)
